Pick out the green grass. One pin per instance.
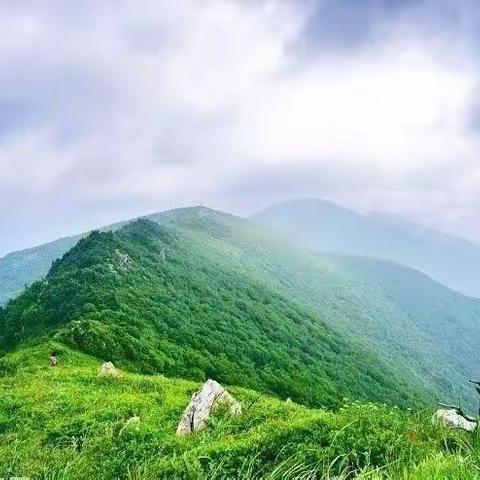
(68, 423)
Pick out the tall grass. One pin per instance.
(67, 423)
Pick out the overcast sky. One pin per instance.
(111, 109)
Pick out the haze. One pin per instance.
(110, 110)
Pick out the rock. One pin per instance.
(210, 396)
(108, 370)
(133, 421)
(452, 419)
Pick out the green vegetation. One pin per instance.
(159, 299)
(425, 333)
(210, 294)
(198, 294)
(21, 268)
(68, 423)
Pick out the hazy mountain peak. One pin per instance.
(326, 227)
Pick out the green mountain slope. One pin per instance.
(327, 227)
(422, 334)
(181, 300)
(203, 294)
(18, 269)
(21, 268)
(447, 320)
(360, 307)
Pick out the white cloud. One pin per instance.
(183, 102)
(372, 112)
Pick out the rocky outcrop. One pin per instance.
(108, 370)
(452, 418)
(210, 396)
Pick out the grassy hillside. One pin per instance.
(66, 422)
(327, 227)
(202, 294)
(171, 300)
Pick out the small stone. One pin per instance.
(133, 422)
(452, 419)
(108, 370)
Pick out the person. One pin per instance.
(53, 359)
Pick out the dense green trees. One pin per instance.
(163, 299)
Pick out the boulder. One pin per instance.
(210, 396)
(108, 370)
(453, 419)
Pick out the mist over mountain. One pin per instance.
(327, 227)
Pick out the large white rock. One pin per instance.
(452, 419)
(196, 415)
(108, 370)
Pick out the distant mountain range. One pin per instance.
(327, 227)
(315, 224)
(195, 293)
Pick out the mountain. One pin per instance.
(18, 269)
(317, 224)
(198, 293)
(197, 281)
(327, 227)
(180, 300)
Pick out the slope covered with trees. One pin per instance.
(167, 300)
(18, 269)
(208, 278)
(196, 294)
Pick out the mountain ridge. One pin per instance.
(343, 292)
(152, 299)
(329, 228)
(22, 267)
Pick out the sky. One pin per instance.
(113, 109)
